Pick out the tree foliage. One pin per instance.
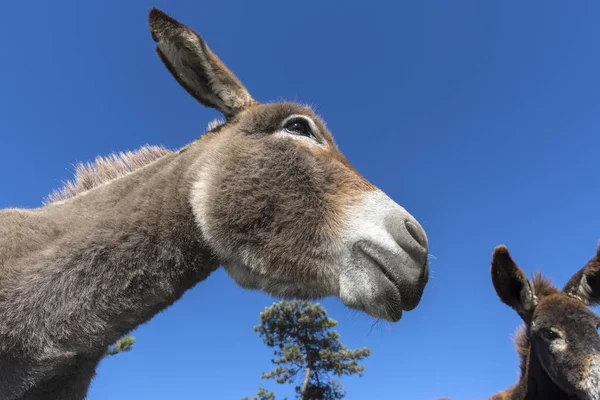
(123, 345)
(262, 394)
(308, 350)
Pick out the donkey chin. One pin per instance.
(380, 262)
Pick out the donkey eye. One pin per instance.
(549, 335)
(299, 127)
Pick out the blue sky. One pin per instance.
(481, 118)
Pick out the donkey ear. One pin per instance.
(585, 284)
(511, 283)
(195, 67)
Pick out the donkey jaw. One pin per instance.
(386, 269)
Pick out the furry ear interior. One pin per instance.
(196, 67)
(511, 283)
(585, 284)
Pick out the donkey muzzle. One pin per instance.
(387, 270)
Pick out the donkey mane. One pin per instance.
(92, 174)
(542, 287)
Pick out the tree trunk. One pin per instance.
(305, 384)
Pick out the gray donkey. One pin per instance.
(266, 194)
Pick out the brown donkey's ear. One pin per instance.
(585, 284)
(511, 284)
(195, 67)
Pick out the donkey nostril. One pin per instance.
(416, 233)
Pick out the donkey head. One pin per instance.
(560, 330)
(280, 206)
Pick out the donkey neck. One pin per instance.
(107, 260)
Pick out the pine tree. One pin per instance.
(308, 350)
(262, 394)
(123, 345)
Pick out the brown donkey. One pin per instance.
(266, 194)
(559, 343)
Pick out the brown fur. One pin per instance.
(278, 206)
(103, 169)
(542, 287)
(558, 368)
